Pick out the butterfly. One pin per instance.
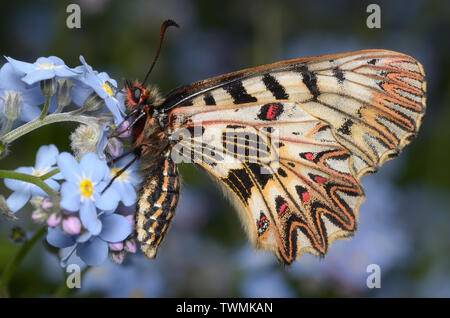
(287, 142)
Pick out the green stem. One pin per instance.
(45, 109)
(50, 119)
(21, 253)
(49, 174)
(31, 179)
(63, 290)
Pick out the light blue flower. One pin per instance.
(126, 183)
(31, 96)
(82, 190)
(23, 191)
(102, 84)
(44, 68)
(92, 249)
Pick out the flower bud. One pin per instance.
(12, 103)
(4, 210)
(84, 139)
(116, 247)
(39, 216)
(117, 258)
(71, 225)
(48, 87)
(130, 246)
(46, 204)
(54, 219)
(63, 92)
(93, 102)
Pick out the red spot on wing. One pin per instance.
(309, 156)
(272, 112)
(282, 209)
(305, 197)
(319, 179)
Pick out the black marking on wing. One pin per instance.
(239, 93)
(274, 87)
(310, 80)
(209, 99)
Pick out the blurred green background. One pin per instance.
(404, 222)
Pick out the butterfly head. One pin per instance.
(140, 96)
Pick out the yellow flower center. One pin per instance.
(47, 66)
(86, 188)
(107, 89)
(122, 177)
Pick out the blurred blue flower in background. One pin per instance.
(92, 249)
(23, 191)
(82, 190)
(44, 68)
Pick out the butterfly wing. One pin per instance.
(289, 141)
(289, 179)
(373, 100)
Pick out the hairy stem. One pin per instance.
(50, 119)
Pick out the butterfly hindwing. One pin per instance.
(290, 180)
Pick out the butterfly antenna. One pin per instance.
(164, 27)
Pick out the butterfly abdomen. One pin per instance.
(158, 199)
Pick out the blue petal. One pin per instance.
(17, 185)
(93, 168)
(20, 66)
(65, 72)
(70, 197)
(38, 75)
(127, 193)
(88, 216)
(102, 141)
(116, 228)
(10, 78)
(18, 199)
(57, 238)
(46, 157)
(69, 167)
(94, 252)
(80, 92)
(108, 200)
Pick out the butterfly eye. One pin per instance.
(136, 95)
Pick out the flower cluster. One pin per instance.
(82, 198)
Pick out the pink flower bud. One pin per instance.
(122, 129)
(46, 204)
(54, 219)
(130, 246)
(71, 225)
(116, 246)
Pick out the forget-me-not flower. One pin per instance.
(45, 162)
(44, 68)
(82, 190)
(92, 249)
(101, 84)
